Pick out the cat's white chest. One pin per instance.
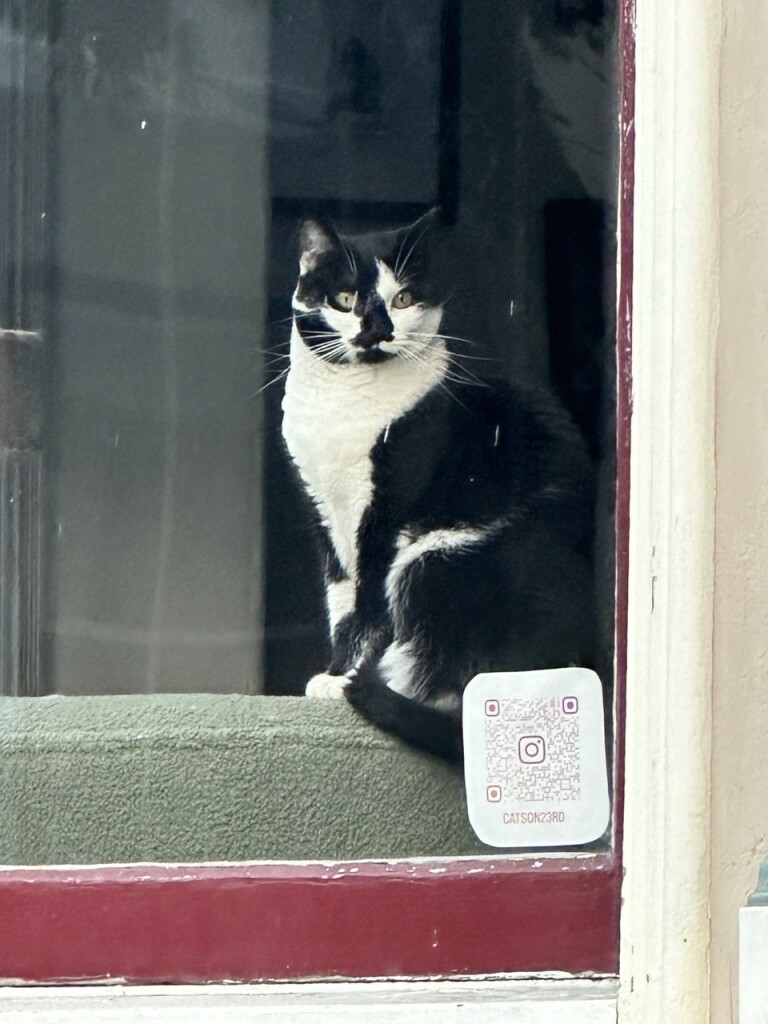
(332, 417)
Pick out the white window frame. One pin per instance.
(665, 918)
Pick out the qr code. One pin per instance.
(532, 748)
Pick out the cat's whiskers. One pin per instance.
(452, 371)
(276, 357)
(478, 359)
(445, 337)
(472, 382)
(279, 350)
(398, 268)
(275, 360)
(330, 348)
(285, 319)
(350, 257)
(458, 373)
(335, 347)
(321, 342)
(418, 358)
(330, 339)
(405, 282)
(280, 376)
(468, 376)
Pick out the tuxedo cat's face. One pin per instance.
(365, 299)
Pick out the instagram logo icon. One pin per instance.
(531, 749)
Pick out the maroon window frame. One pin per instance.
(247, 922)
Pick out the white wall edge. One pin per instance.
(753, 957)
(665, 916)
(550, 1001)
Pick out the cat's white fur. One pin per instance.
(333, 413)
(396, 667)
(410, 549)
(326, 687)
(340, 597)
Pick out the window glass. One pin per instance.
(160, 160)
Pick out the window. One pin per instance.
(160, 158)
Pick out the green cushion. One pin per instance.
(89, 780)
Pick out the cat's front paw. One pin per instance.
(326, 686)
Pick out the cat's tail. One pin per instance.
(419, 725)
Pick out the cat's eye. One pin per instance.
(403, 299)
(346, 300)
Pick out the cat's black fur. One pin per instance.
(481, 494)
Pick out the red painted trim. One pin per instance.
(288, 921)
(245, 923)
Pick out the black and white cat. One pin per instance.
(456, 519)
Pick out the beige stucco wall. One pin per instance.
(740, 713)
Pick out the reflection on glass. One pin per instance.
(153, 534)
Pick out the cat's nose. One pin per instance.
(369, 339)
(375, 325)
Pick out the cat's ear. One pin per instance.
(315, 238)
(412, 243)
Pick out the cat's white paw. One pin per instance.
(325, 686)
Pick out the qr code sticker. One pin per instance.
(532, 748)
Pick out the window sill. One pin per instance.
(182, 778)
